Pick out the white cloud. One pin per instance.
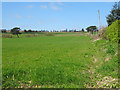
(43, 6)
(30, 6)
(60, 3)
(29, 17)
(55, 6)
(18, 16)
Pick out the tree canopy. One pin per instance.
(114, 14)
(15, 31)
(91, 28)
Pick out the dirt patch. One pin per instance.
(96, 39)
(94, 59)
(107, 59)
(108, 82)
(104, 82)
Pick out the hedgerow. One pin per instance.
(113, 31)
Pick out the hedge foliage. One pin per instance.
(113, 31)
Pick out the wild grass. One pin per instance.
(46, 61)
(109, 65)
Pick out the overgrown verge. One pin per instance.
(104, 70)
(105, 66)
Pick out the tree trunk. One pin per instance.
(17, 35)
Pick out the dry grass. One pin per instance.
(6, 35)
(101, 33)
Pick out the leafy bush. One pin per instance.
(111, 50)
(112, 31)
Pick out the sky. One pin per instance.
(54, 15)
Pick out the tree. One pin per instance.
(114, 14)
(82, 30)
(75, 30)
(4, 31)
(16, 31)
(91, 29)
(25, 30)
(66, 30)
(29, 30)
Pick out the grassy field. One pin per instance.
(56, 61)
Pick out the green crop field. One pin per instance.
(55, 62)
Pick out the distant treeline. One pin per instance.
(29, 31)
